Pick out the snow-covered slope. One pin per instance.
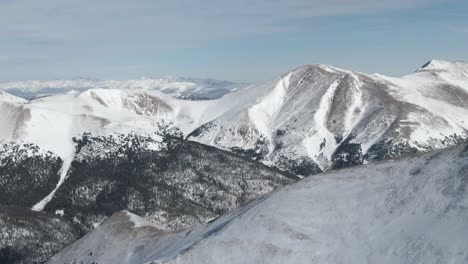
(179, 185)
(51, 122)
(319, 114)
(311, 119)
(410, 210)
(178, 87)
(174, 183)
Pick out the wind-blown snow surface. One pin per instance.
(336, 118)
(412, 210)
(311, 119)
(186, 88)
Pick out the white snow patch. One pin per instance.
(63, 175)
(262, 113)
(60, 212)
(141, 222)
(322, 142)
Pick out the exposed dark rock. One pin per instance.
(301, 166)
(389, 149)
(347, 154)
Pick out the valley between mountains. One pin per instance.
(181, 153)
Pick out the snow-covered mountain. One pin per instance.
(411, 210)
(178, 87)
(311, 119)
(81, 152)
(319, 114)
(176, 186)
(171, 182)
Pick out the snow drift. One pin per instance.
(410, 210)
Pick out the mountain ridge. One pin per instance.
(179, 87)
(409, 210)
(348, 85)
(87, 154)
(316, 117)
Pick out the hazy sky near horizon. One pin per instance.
(242, 40)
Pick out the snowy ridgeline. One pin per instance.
(184, 88)
(89, 154)
(332, 118)
(410, 210)
(311, 119)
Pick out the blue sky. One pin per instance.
(243, 40)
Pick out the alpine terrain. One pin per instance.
(411, 210)
(319, 117)
(185, 88)
(172, 182)
(311, 119)
(181, 152)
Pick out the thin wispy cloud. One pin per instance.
(135, 33)
(66, 20)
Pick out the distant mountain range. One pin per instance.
(311, 119)
(179, 87)
(86, 152)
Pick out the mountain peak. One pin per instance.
(442, 65)
(326, 67)
(433, 64)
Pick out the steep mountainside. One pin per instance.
(334, 118)
(180, 185)
(89, 153)
(27, 174)
(312, 119)
(171, 182)
(184, 88)
(411, 210)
